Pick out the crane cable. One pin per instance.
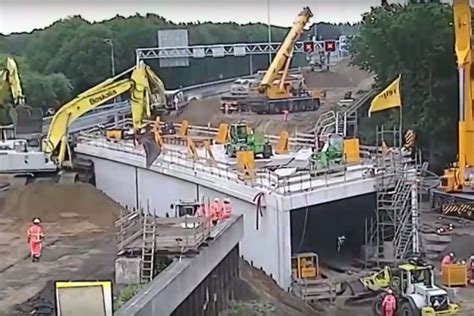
(257, 199)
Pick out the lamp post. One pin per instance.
(109, 42)
(269, 34)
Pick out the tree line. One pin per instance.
(70, 56)
(416, 41)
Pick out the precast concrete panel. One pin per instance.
(259, 245)
(117, 181)
(159, 191)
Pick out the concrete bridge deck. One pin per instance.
(120, 172)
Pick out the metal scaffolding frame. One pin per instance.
(219, 50)
(394, 233)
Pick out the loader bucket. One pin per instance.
(152, 149)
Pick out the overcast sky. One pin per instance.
(26, 15)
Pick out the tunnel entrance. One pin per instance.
(316, 229)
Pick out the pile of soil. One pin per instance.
(54, 202)
(341, 79)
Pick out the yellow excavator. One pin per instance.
(457, 183)
(275, 92)
(17, 159)
(10, 80)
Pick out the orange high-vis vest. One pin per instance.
(216, 211)
(227, 210)
(389, 304)
(35, 233)
(446, 260)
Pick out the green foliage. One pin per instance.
(127, 294)
(76, 48)
(417, 42)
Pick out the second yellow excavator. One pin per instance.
(17, 159)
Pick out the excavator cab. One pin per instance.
(185, 208)
(305, 266)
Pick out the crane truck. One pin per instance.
(457, 182)
(276, 90)
(18, 159)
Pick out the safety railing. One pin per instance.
(178, 160)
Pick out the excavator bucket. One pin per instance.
(152, 149)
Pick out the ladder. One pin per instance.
(148, 248)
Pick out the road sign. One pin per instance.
(308, 47)
(175, 39)
(330, 46)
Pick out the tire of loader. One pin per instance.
(267, 151)
(408, 308)
(377, 304)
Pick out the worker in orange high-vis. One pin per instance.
(35, 236)
(216, 211)
(226, 208)
(201, 210)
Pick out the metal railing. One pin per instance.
(178, 160)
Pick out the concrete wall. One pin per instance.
(122, 176)
(173, 286)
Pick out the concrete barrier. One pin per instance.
(173, 285)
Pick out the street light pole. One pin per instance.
(269, 34)
(109, 42)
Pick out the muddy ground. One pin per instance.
(341, 79)
(79, 243)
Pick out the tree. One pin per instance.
(417, 42)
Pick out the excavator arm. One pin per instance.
(10, 79)
(282, 60)
(139, 85)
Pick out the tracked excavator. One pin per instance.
(455, 192)
(276, 91)
(18, 159)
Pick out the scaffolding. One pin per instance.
(393, 232)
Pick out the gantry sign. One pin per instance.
(220, 50)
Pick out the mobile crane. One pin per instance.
(457, 182)
(17, 159)
(274, 92)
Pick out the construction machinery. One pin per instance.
(243, 138)
(329, 154)
(413, 284)
(9, 80)
(19, 159)
(182, 208)
(305, 265)
(459, 178)
(274, 92)
(454, 194)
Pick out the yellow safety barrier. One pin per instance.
(222, 133)
(157, 133)
(282, 144)
(183, 130)
(246, 165)
(77, 298)
(192, 153)
(209, 154)
(352, 150)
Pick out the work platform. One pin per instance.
(266, 201)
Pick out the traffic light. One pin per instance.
(308, 47)
(330, 46)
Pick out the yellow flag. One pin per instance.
(389, 98)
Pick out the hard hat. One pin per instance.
(451, 254)
(216, 199)
(36, 220)
(389, 291)
(226, 200)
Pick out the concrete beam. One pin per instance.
(173, 285)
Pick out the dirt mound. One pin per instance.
(200, 112)
(61, 202)
(341, 76)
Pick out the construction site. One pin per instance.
(249, 196)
